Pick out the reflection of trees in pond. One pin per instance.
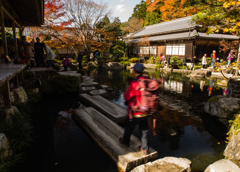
(201, 161)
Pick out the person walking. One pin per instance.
(229, 58)
(132, 97)
(204, 61)
(80, 60)
(50, 56)
(185, 63)
(193, 62)
(168, 61)
(27, 51)
(66, 64)
(39, 59)
(91, 56)
(213, 57)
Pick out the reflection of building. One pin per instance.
(174, 86)
(178, 87)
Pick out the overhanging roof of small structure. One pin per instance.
(25, 12)
(182, 24)
(185, 35)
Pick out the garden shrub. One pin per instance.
(150, 60)
(134, 60)
(234, 126)
(73, 67)
(55, 51)
(157, 60)
(175, 62)
(82, 72)
(158, 66)
(60, 85)
(85, 58)
(124, 63)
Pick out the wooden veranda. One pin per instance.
(16, 14)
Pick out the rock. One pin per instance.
(100, 92)
(222, 107)
(90, 84)
(72, 73)
(92, 64)
(7, 113)
(112, 65)
(200, 73)
(20, 95)
(149, 66)
(35, 90)
(233, 88)
(104, 87)
(232, 150)
(4, 144)
(87, 89)
(167, 164)
(87, 79)
(223, 165)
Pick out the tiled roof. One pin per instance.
(218, 36)
(183, 35)
(169, 26)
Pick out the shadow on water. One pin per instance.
(60, 144)
(182, 127)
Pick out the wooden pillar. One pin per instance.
(15, 40)
(4, 40)
(6, 95)
(16, 83)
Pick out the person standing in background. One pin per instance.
(27, 50)
(229, 58)
(213, 57)
(39, 59)
(204, 61)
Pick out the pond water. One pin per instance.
(183, 129)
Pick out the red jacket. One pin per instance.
(133, 94)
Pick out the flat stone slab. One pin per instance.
(106, 133)
(87, 79)
(40, 69)
(223, 165)
(167, 164)
(71, 73)
(113, 111)
(107, 88)
(87, 89)
(90, 84)
(100, 92)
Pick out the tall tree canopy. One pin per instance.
(221, 14)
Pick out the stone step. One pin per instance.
(87, 79)
(100, 92)
(90, 84)
(106, 133)
(106, 107)
(87, 89)
(107, 88)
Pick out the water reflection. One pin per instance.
(182, 127)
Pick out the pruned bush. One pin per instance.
(124, 63)
(134, 60)
(82, 71)
(60, 85)
(175, 62)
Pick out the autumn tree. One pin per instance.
(173, 9)
(133, 25)
(86, 15)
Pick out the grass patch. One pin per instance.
(213, 99)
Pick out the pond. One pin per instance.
(183, 129)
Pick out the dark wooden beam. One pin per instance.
(4, 40)
(15, 40)
(6, 95)
(9, 15)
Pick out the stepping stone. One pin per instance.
(100, 92)
(113, 111)
(107, 88)
(72, 73)
(106, 134)
(87, 89)
(90, 84)
(87, 79)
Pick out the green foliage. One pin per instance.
(153, 17)
(119, 49)
(175, 62)
(60, 85)
(85, 58)
(139, 10)
(158, 66)
(197, 67)
(223, 63)
(124, 63)
(209, 60)
(58, 61)
(82, 71)
(157, 60)
(134, 60)
(55, 51)
(73, 67)
(8, 163)
(150, 60)
(213, 99)
(234, 126)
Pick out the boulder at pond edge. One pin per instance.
(223, 165)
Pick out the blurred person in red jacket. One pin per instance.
(132, 97)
